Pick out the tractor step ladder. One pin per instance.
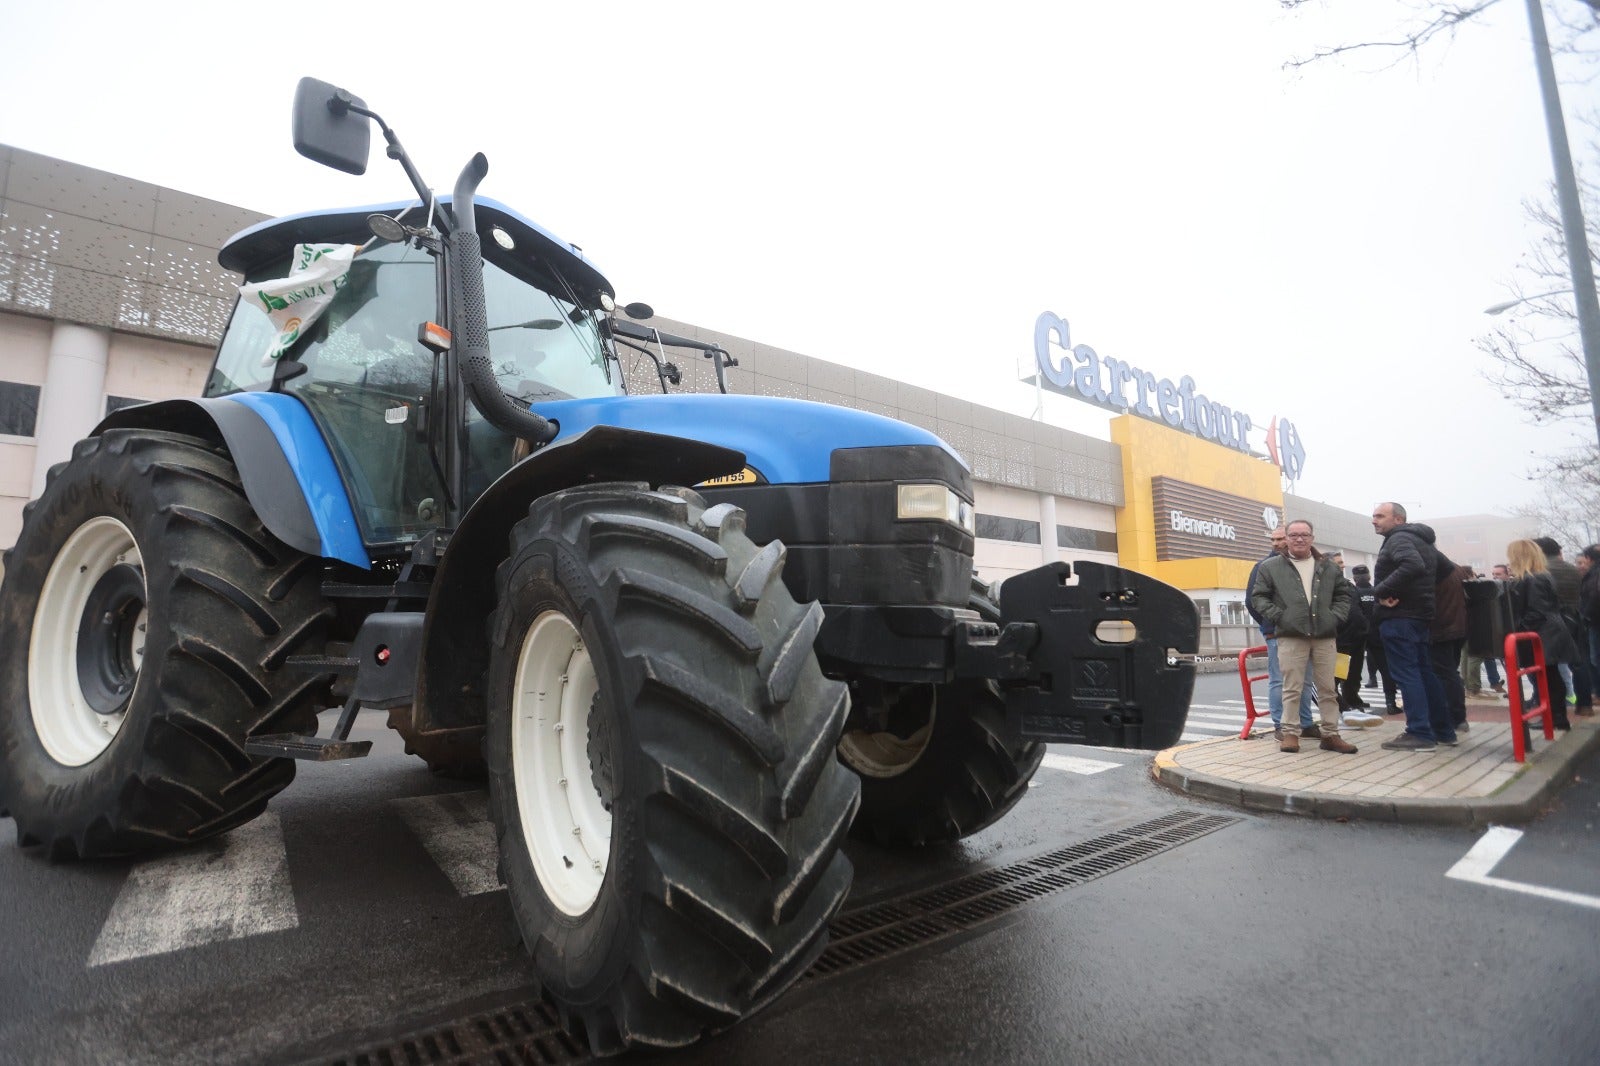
(315, 748)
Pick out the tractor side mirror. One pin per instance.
(639, 311)
(327, 130)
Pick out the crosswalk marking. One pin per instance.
(236, 886)
(456, 830)
(1205, 717)
(1074, 764)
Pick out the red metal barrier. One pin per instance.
(1541, 686)
(1247, 682)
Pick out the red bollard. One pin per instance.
(1541, 686)
(1248, 683)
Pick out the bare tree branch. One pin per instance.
(1577, 33)
(1536, 359)
(1437, 20)
(1568, 507)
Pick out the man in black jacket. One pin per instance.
(1406, 574)
(1366, 603)
(1568, 579)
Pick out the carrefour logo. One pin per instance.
(1182, 523)
(1085, 374)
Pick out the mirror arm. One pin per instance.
(721, 360)
(341, 101)
(661, 372)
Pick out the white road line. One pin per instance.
(1476, 865)
(1233, 708)
(1235, 717)
(234, 887)
(455, 829)
(1074, 764)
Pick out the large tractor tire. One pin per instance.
(661, 765)
(143, 620)
(945, 767)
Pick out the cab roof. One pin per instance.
(268, 244)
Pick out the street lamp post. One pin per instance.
(1507, 305)
(1582, 272)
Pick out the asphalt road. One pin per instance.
(1266, 938)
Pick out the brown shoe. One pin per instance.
(1289, 743)
(1338, 744)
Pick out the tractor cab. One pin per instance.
(372, 377)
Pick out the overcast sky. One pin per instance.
(905, 187)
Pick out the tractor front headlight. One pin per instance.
(936, 503)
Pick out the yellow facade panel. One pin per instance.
(1150, 450)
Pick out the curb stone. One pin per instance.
(1521, 799)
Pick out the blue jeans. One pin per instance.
(1275, 690)
(1493, 667)
(1406, 646)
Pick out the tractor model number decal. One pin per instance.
(747, 476)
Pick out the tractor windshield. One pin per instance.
(368, 383)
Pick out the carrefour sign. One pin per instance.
(1085, 374)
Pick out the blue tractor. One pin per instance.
(440, 498)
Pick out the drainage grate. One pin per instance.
(528, 1033)
(877, 931)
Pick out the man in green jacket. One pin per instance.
(1305, 597)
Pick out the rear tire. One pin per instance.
(143, 620)
(947, 766)
(662, 778)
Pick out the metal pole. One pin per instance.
(1583, 291)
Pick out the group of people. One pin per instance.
(1408, 621)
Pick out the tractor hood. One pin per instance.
(784, 441)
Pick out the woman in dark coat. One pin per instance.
(1535, 608)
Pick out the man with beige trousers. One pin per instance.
(1305, 597)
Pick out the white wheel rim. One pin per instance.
(885, 754)
(566, 828)
(74, 733)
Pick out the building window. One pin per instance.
(117, 403)
(1094, 540)
(995, 527)
(19, 408)
(1203, 608)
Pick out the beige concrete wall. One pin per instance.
(139, 367)
(24, 352)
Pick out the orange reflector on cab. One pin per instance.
(433, 336)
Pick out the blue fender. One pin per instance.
(455, 647)
(785, 441)
(288, 472)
